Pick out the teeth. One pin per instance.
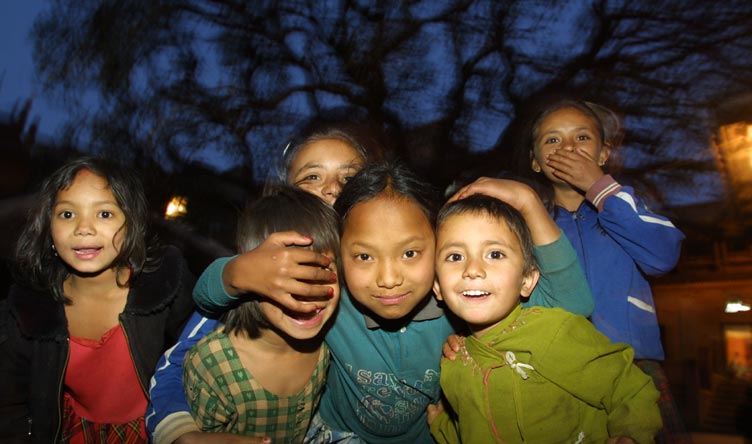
(475, 293)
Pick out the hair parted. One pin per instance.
(393, 178)
(37, 266)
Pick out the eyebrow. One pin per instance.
(311, 166)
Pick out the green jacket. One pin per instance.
(545, 376)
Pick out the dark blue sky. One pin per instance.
(17, 81)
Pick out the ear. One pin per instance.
(604, 154)
(535, 165)
(529, 282)
(437, 290)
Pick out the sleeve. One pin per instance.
(168, 415)
(208, 402)
(653, 242)
(444, 429)
(209, 293)
(586, 364)
(562, 283)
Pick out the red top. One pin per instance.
(101, 381)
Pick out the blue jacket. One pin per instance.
(618, 247)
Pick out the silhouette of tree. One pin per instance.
(449, 79)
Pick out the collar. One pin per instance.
(38, 315)
(430, 310)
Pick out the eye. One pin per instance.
(551, 140)
(496, 255)
(307, 178)
(454, 257)
(409, 254)
(362, 257)
(65, 214)
(583, 137)
(106, 214)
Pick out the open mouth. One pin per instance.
(306, 319)
(86, 252)
(475, 293)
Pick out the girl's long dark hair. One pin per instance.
(36, 263)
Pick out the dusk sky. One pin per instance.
(17, 81)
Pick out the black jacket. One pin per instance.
(34, 346)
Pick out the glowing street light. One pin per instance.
(177, 207)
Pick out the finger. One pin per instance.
(448, 353)
(289, 238)
(307, 259)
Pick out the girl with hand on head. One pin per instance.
(93, 308)
(320, 160)
(262, 372)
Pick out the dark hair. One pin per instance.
(36, 263)
(282, 208)
(350, 129)
(482, 205)
(605, 119)
(390, 177)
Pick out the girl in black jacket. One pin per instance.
(93, 308)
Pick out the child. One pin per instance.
(387, 337)
(262, 373)
(92, 310)
(320, 159)
(618, 239)
(525, 374)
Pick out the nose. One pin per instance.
(331, 189)
(474, 269)
(568, 144)
(84, 227)
(389, 274)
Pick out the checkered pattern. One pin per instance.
(78, 430)
(224, 396)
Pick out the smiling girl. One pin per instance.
(93, 308)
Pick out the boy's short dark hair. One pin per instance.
(282, 208)
(482, 205)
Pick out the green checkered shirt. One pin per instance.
(224, 396)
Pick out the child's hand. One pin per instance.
(283, 274)
(516, 194)
(219, 438)
(433, 411)
(621, 440)
(451, 347)
(577, 168)
(523, 198)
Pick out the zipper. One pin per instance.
(61, 382)
(135, 365)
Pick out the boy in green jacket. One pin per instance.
(539, 375)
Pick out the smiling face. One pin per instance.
(323, 166)
(567, 129)
(88, 225)
(480, 269)
(302, 326)
(388, 253)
